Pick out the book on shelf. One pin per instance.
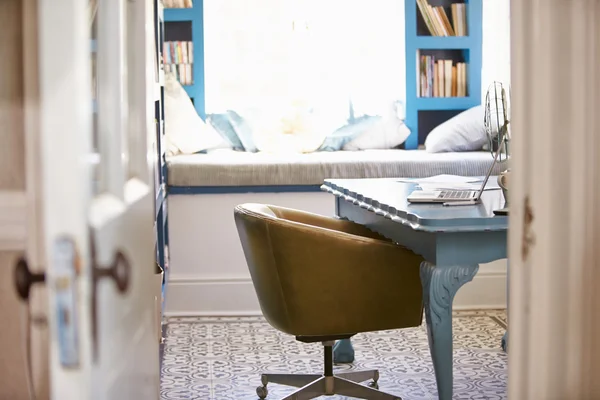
(437, 21)
(441, 77)
(178, 3)
(178, 58)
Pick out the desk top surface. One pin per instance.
(387, 197)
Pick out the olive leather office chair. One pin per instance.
(324, 279)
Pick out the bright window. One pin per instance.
(496, 44)
(324, 53)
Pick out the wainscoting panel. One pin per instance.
(208, 273)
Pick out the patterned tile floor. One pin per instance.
(222, 358)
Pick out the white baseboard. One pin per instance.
(487, 291)
(235, 296)
(227, 296)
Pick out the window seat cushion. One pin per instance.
(226, 167)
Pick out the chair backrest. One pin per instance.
(252, 224)
(303, 267)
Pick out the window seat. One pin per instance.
(227, 168)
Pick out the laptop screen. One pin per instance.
(489, 173)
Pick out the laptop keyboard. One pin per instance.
(456, 194)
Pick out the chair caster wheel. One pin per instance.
(262, 392)
(374, 385)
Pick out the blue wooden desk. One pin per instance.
(453, 241)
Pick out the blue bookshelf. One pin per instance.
(195, 16)
(423, 113)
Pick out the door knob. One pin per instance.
(25, 279)
(118, 271)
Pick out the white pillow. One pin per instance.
(386, 134)
(463, 132)
(185, 131)
(290, 128)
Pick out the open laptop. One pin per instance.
(453, 197)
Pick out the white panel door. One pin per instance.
(554, 235)
(97, 199)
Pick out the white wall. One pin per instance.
(208, 268)
(496, 43)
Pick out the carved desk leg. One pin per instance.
(343, 352)
(440, 284)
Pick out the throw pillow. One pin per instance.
(243, 130)
(389, 132)
(464, 132)
(344, 135)
(222, 124)
(185, 132)
(287, 128)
